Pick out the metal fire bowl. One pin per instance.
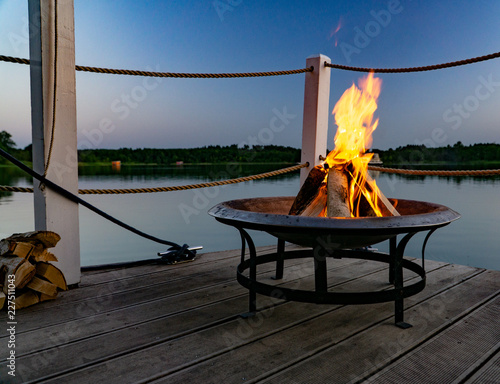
(269, 214)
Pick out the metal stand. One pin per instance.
(321, 295)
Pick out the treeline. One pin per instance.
(209, 154)
(409, 154)
(457, 154)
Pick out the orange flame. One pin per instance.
(354, 118)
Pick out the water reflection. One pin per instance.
(494, 179)
(12, 176)
(203, 172)
(182, 216)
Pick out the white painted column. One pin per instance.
(52, 211)
(316, 112)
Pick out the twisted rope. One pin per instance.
(478, 59)
(415, 69)
(8, 188)
(282, 171)
(17, 60)
(190, 75)
(54, 96)
(483, 172)
(130, 72)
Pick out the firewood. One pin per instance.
(364, 209)
(52, 274)
(26, 298)
(3, 277)
(2, 299)
(41, 254)
(6, 246)
(47, 238)
(21, 249)
(309, 190)
(317, 207)
(383, 201)
(20, 268)
(44, 297)
(39, 285)
(338, 194)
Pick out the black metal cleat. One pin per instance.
(175, 255)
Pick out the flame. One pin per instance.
(354, 118)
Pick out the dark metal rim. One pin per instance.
(315, 297)
(226, 213)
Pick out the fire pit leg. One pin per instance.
(397, 254)
(320, 278)
(280, 261)
(392, 251)
(252, 295)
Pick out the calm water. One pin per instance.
(182, 216)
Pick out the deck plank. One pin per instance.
(489, 373)
(155, 323)
(119, 280)
(225, 339)
(463, 344)
(144, 332)
(114, 296)
(378, 347)
(138, 313)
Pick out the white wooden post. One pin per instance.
(316, 112)
(52, 211)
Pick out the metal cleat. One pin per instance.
(175, 255)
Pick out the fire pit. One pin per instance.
(338, 212)
(332, 238)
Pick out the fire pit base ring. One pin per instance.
(321, 295)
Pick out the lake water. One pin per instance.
(182, 217)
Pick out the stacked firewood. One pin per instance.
(325, 193)
(25, 264)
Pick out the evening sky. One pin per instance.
(435, 108)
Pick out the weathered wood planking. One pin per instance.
(91, 326)
(203, 339)
(182, 325)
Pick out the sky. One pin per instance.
(436, 108)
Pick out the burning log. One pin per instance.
(311, 197)
(338, 194)
(24, 255)
(362, 207)
(326, 193)
(383, 203)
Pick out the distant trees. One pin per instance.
(458, 153)
(207, 154)
(6, 142)
(409, 154)
(8, 145)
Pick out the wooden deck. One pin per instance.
(180, 324)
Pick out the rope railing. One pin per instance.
(260, 74)
(399, 171)
(133, 72)
(4, 188)
(416, 69)
(130, 72)
(427, 172)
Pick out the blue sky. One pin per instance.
(436, 108)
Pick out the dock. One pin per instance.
(181, 324)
